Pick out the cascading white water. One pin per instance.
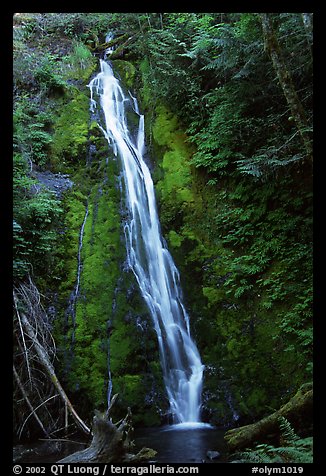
(147, 255)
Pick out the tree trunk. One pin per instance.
(285, 79)
(45, 361)
(298, 411)
(106, 447)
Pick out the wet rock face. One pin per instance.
(56, 183)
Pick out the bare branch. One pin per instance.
(33, 413)
(23, 339)
(28, 403)
(44, 359)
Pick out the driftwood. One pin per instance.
(107, 444)
(110, 443)
(298, 411)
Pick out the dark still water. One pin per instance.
(173, 444)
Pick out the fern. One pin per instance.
(293, 454)
(261, 454)
(266, 163)
(293, 450)
(288, 435)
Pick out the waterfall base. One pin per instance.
(189, 425)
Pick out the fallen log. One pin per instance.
(111, 443)
(298, 411)
(120, 45)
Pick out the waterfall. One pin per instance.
(147, 254)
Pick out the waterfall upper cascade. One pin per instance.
(147, 254)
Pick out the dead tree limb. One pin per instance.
(21, 388)
(34, 412)
(23, 339)
(45, 361)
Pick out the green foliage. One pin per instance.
(35, 218)
(37, 71)
(220, 81)
(292, 450)
(162, 47)
(71, 25)
(45, 74)
(288, 434)
(243, 242)
(31, 131)
(36, 212)
(79, 64)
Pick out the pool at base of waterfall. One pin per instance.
(195, 443)
(184, 443)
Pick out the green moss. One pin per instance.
(175, 187)
(214, 295)
(122, 347)
(133, 391)
(106, 311)
(100, 270)
(126, 71)
(74, 205)
(71, 132)
(165, 127)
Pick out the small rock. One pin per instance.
(143, 454)
(213, 454)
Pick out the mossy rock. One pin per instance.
(133, 392)
(126, 70)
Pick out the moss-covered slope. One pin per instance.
(105, 331)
